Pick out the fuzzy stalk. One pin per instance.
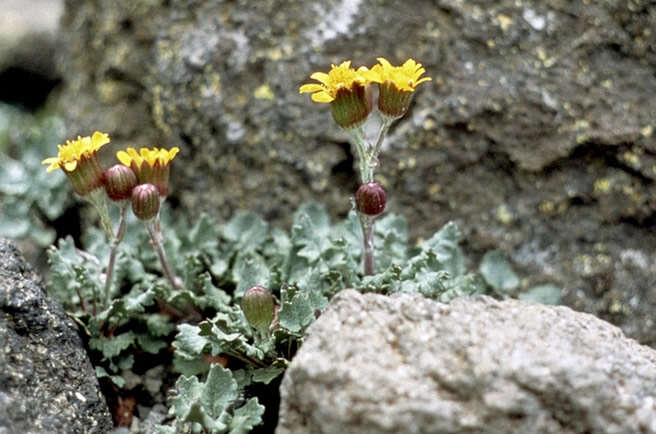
(154, 230)
(367, 224)
(116, 240)
(97, 199)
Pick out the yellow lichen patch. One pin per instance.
(547, 207)
(631, 158)
(602, 185)
(504, 21)
(263, 92)
(434, 189)
(504, 215)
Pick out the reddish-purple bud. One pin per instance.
(370, 198)
(119, 182)
(258, 307)
(145, 201)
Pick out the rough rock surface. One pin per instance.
(47, 383)
(405, 364)
(536, 133)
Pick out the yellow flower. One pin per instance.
(150, 165)
(79, 161)
(150, 156)
(75, 151)
(404, 77)
(345, 88)
(396, 85)
(341, 77)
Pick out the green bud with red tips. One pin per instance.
(145, 201)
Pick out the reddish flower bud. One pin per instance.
(258, 307)
(119, 182)
(145, 201)
(370, 198)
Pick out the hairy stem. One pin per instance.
(367, 225)
(114, 250)
(158, 243)
(384, 126)
(97, 199)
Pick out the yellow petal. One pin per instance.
(321, 77)
(53, 162)
(173, 152)
(99, 139)
(384, 62)
(311, 87)
(124, 158)
(70, 166)
(322, 97)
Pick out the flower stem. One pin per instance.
(384, 126)
(114, 250)
(158, 242)
(97, 199)
(367, 225)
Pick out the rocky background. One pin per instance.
(536, 134)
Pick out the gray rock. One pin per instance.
(405, 364)
(28, 38)
(47, 383)
(536, 133)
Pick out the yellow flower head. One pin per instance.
(74, 151)
(404, 77)
(341, 77)
(151, 157)
(345, 88)
(79, 161)
(396, 85)
(150, 165)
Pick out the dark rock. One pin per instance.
(536, 133)
(47, 383)
(405, 364)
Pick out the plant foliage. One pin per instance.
(203, 323)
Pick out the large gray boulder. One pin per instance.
(47, 384)
(405, 364)
(536, 133)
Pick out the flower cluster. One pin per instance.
(150, 167)
(346, 90)
(349, 94)
(142, 180)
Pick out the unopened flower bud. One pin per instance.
(370, 198)
(119, 182)
(145, 201)
(258, 307)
